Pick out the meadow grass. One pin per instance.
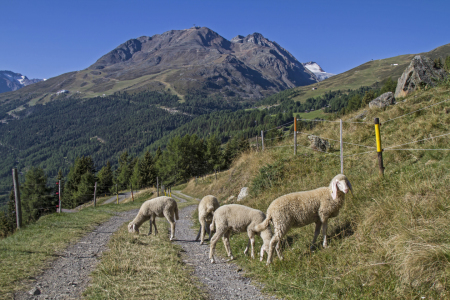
(391, 237)
(29, 250)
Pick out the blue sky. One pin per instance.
(43, 39)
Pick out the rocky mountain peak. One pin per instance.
(11, 81)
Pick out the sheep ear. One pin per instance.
(349, 185)
(334, 189)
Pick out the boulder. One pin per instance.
(242, 194)
(318, 143)
(420, 72)
(382, 101)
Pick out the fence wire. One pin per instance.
(414, 111)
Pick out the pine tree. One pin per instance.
(124, 172)
(71, 196)
(35, 196)
(105, 179)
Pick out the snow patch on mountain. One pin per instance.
(10, 81)
(317, 70)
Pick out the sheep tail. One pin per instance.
(262, 226)
(176, 212)
(210, 209)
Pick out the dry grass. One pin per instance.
(391, 237)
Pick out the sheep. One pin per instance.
(157, 207)
(206, 209)
(239, 218)
(303, 208)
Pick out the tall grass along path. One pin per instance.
(68, 276)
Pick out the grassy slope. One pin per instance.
(391, 237)
(366, 74)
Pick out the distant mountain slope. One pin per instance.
(10, 81)
(183, 62)
(366, 74)
(317, 70)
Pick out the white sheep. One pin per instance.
(157, 207)
(206, 209)
(303, 208)
(238, 218)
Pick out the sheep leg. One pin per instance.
(154, 224)
(212, 245)
(208, 230)
(278, 248)
(275, 239)
(170, 218)
(251, 242)
(324, 232)
(202, 231)
(226, 242)
(248, 246)
(316, 234)
(198, 234)
(152, 218)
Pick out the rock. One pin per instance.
(242, 194)
(382, 101)
(420, 72)
(34, 291)
(319, 144)
(361, 116)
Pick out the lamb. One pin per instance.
(303, 208)
(157, 207)
(239, 218)
(206, 209)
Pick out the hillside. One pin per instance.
(181, 62)
(390, 237)
(367, 74)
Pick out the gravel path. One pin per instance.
(223, 280)
(68, 276)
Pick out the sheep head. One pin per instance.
(340, 183)
(132, 228)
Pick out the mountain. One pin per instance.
(317, 70)
(370, 73)
(189, 61)
(10, 81)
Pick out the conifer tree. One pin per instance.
(105, 179)
(72, 197)
(35, 195)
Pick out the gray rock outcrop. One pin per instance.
(318, 143)
(420, 72)
(242, 194)
(382, 101)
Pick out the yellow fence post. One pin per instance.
(379, 149)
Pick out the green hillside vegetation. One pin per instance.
(370, 73)
(391, 235)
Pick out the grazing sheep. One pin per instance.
(303, 208)
(238, 218)
(157, 207)
(206, 209)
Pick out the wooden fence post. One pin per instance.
(262, 141)
(95, 194)
(132, 196)
(295, 135)
(341, 146)
(379, 149)
(257, 146)
(117, 194)
(59, 196)
(17, 198)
